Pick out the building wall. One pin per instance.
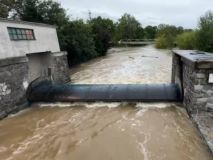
(23, 61)
(46, 40)
(60, 68)
(13, 85)
(17, 73)
(38, 64)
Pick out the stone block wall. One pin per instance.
(202, 90)
(13, 85)
(15, 78)
(197, 92)
(60, 68)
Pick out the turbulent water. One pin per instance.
(107, 131)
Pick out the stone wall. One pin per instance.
(60, 69)
(197, 92)
(13, 85)
(201, 91)
(15, 78)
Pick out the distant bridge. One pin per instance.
(136, 42)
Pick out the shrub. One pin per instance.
(186, 40)
(164, 41)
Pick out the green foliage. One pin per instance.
(205, 33)
(166, 36)
(41, 11)
(162, 42)
(128, 28)
(103, 30)
(76, 38)
(201, 39)
(150, 32)
(5, 7)
(186, 40)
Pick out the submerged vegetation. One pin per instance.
(84, 40)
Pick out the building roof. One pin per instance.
(26, 23)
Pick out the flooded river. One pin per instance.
(107, 131)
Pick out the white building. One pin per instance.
(19, 38)
(28, 51)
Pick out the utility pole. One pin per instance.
(90, 15)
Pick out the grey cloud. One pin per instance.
(149, 12)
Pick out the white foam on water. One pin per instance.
(141, 112)
(19, 113)
(105, 104)
(153, 105)
(84, 104)
(142, 147)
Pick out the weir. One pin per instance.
(191, 83)
(107, 93)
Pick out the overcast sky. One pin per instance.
(149, 12)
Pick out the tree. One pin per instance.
(5, 7)
(166, 35)
(204, 36)
(150, 32)
(103, 30)
(128, 28)
(76, 38)
(41, 11)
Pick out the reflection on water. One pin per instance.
(107, 131)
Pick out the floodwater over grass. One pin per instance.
(107, 131)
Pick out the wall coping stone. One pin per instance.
(198, 59)
(12, 61)
(58, 54)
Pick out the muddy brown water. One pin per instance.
(107, 131)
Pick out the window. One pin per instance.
(21, 34)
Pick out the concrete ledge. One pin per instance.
(12, 61)
(57, 54)
(198, 59)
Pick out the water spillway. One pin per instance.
(105, 92)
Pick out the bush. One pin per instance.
(164, 41)
(186, 40)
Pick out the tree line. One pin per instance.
(200, 39)
(84, 40)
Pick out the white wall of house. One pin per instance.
(46, 39)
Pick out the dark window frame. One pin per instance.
(21, 34)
